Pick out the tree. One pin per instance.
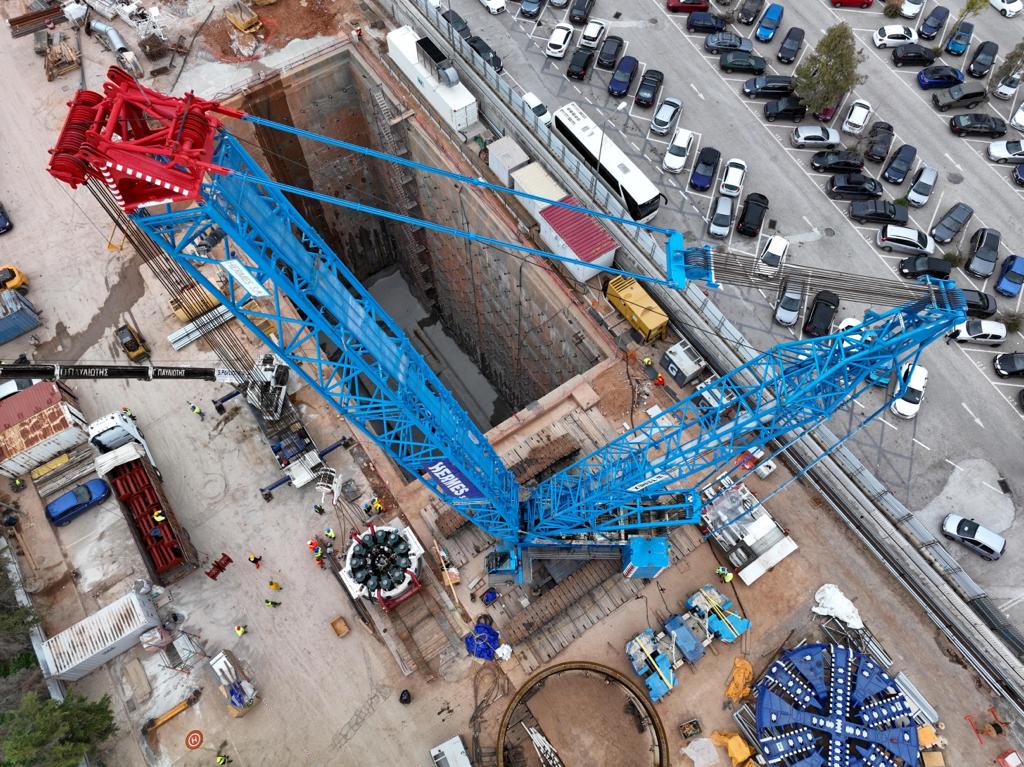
(52, 734)
(830, 71)
(1014, 62)
(892, 8)
(970, 8)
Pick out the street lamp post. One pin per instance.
(600, 150)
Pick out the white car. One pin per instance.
(1006, 151)
(1008, 8)
(494, 6)
(721, 218)
(893, 36)
(1017, 121)
(922, 186)
(678, 151)
(593, 34)
(982, 332)
(909, 403)
(857, 118)
(773, 256)
(815, 137)
(732, 178)
(538, 107)
(560, 41)
(1007, 87)
(911, 8)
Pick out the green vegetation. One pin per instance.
(830, 70)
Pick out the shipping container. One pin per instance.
(505, 156)
(533, 179)
(573, 234)
(84, 647)
(453, 103)
(38, 424)
(637, 306)
(17, 315)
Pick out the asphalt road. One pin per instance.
(967, 436)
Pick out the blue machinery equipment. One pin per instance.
(151, 153)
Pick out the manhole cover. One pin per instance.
(830, 232)
(193, 740)
(954, 178)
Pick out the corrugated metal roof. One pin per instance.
(33, 430)
(533, 179)
(30, 401)
(582, 233)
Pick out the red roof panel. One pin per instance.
(35, 399)
(582, 233)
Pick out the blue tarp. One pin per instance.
(482, 642)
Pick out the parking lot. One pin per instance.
(967, 437)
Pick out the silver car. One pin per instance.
(665, 115)
(905, 240)
(922, 186)
(789, 302)
(721, 219)
(975, 537)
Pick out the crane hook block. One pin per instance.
(683, 264)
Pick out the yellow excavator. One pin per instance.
(12, 278)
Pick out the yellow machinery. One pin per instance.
(244, 18)
(133, 344)
(639, 309)
(12, 278)
(168, 715)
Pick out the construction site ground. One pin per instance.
(324, 697)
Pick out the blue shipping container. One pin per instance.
(17, 315)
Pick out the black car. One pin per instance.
(978, 124)
(879, 212)
(914, 55)
(458, 23)
(900, 164)
(791, 45)
(1007, 365)
(952, 221)
(983, 59)
(749, 11)
(755, 208)
(579, 64)
(789, 108)
(580, 11)
(741, 61)
(925, 266)
(530, 9)
(5, 221)
(978, 304)
(880, 137)
(650, 84)
(486, 53)
(984, 252)
(933, 23)
(837, 161)
(704, 22)
(853, 186)
(611, 49)
(705, 168)
(768, 87)
(822, 313)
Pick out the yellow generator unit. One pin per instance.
(639, 309)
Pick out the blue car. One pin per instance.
(961, 39)
(1017, 176)
(769, 23)
(77, 501)
(706, 168)
(1011, 276)
(623, 76)
(939, 76)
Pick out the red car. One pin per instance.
(687, 6)
(851, 3)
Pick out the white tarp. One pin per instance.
(832, 601)
(702, 753)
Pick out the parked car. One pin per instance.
(1007, 365)
(1017, 175)
(457, 23)
(530, 9)
(742, 61)
(666, 113)
(857, 118)
(922, 186)
(494, 6)
(878, 212)
(826, 114)
(686, 6)
(622, 78)
(1011, 276)
(978, 539)
(611, 49)
(748, 11)
(899, 164)
(770, 21)
(788, 108)
(983, 253)
(952, 221)
(912, 381)
(773, 256)
(791, 45)
(851, 3)
(963, 96)
(1007, 87)
(913, 54)
(933, 23)
(705, 23)
(880, 137)
(837, 161)
(981, 332)
(980, 124)
(821, 314)
(978, 304)
(788, 302)
(721, 217)
(983, 59)
(593, 34)
(538, 107)
(579, 64)
(77, 501)
(814, 136)
(1006, 152)
(1007, 8)
(5, 221)
(892, 35)
(650, 86)
(579, 12)
(559, 41)
(705, 169)
(911, 9)
(961, 39)
(905, 240)
(925, 266)
(720, 42)
(939, 76)
(485, 52)
(678, 151)
(853, 186)
(768, 87)
(1017, 121)
(732, 178)
(755, 208)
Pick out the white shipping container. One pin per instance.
(577, 235)
(533, 179)
(454, 103)
(84, 647)
(505, 156)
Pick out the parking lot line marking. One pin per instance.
(1012, 602)
(699, 94)
(587, 99)
(858, 403)
(972, 415)
(634, 146)
(894, 428)
(919, 442)
(986, 484)
(646, 157)
(952, 464)
(578, 90)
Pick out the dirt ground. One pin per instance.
(283, 21)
